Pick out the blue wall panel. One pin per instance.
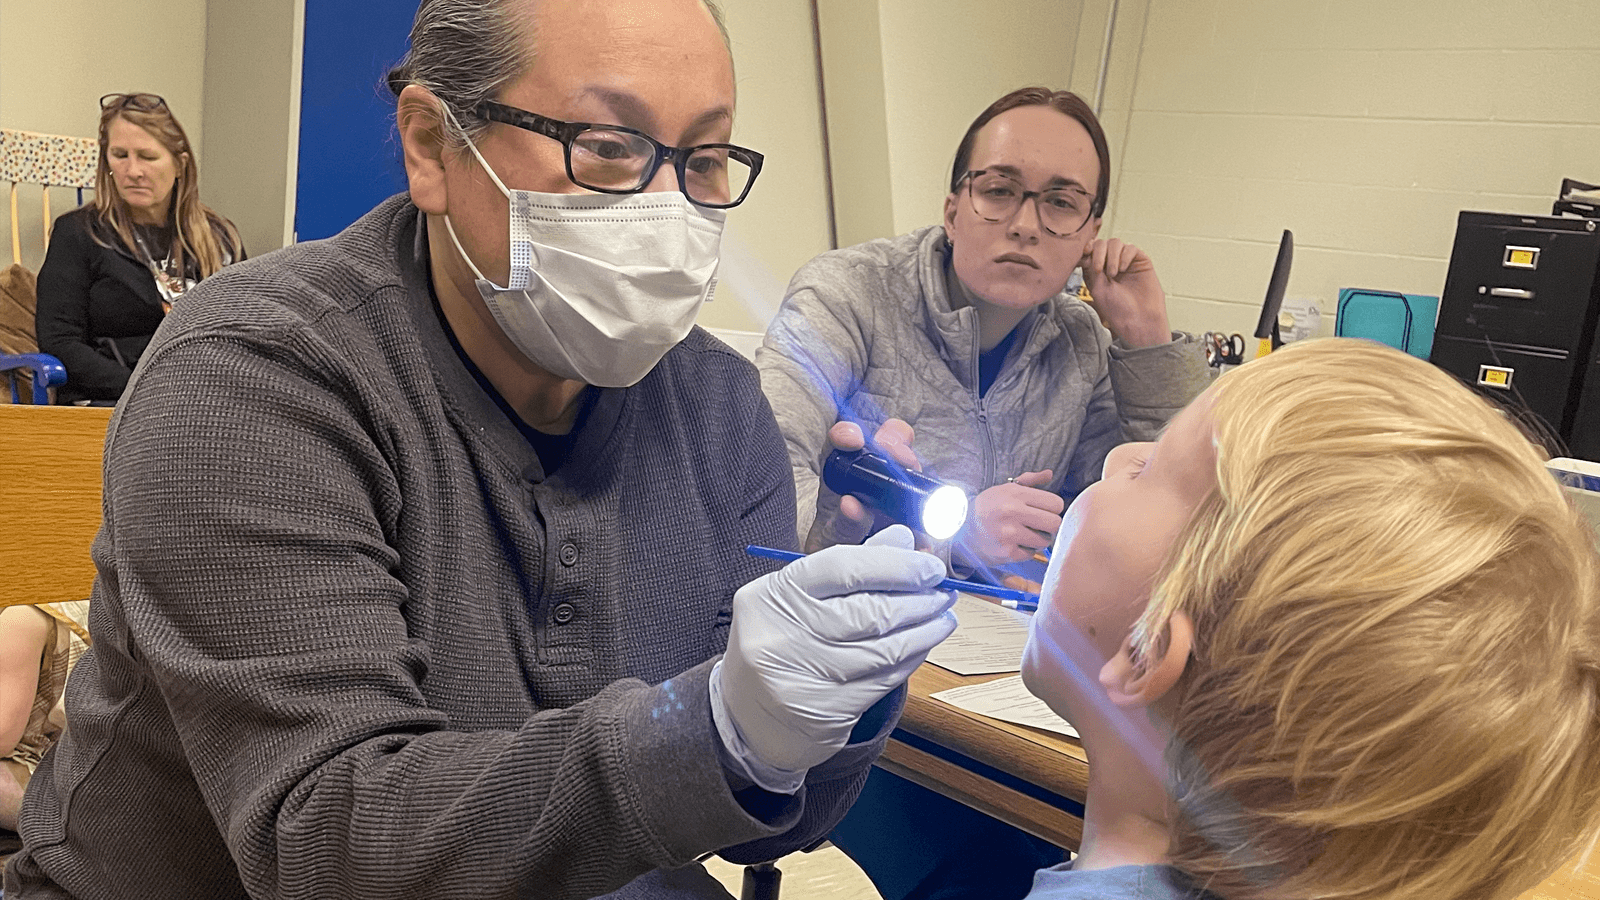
(349, 152)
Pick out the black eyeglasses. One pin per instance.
(141, 102)
(996, 197)
(612, 159)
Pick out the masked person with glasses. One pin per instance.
(970, 335)
(115, 266)
(422, 571)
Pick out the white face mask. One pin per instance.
(601, 285)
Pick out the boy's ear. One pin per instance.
(1134, 682)
(423, 146)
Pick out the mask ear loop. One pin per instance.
(462, 251)
(504, 191)
(448, 226)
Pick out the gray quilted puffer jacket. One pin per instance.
(867, 333)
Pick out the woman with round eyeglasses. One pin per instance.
(970, 335)
(967, 333)
(116, 265)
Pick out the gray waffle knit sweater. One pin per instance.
(350, 640)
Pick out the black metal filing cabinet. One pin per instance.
(1517, 318)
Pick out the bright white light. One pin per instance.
(944, 513)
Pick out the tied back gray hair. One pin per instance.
(463, 52)
(467, 51)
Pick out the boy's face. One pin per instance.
(1113, 540)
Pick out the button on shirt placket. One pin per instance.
(564, 612)
(560, 619)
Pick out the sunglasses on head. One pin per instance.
(141, 102)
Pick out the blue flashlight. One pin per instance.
(935, 508)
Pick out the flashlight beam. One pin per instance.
(1010, 599)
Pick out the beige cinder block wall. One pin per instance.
(57, 57)
(785, 221)
(1363, 126)
(252, 105)
(944, 61)
(904, 79)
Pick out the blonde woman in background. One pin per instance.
(116, 265)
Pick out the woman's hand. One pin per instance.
(1126, 292)
(856, 519)
(1012, 521)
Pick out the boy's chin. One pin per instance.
(1050, 673)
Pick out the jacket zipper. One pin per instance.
(983, 413)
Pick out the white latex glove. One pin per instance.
(1012, 521)
(813, 645)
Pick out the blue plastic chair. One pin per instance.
(43, 369)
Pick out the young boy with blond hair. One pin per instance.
(1335, 635)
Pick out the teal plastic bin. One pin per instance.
(1403, 321)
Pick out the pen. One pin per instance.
(1006, 597)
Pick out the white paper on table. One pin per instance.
(989, 639)
(1007, 700)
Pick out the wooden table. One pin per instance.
(1043, 759)
(1040, 778)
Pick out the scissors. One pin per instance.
(1224, 349)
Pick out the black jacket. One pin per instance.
(93, 298)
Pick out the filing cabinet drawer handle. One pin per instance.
(1498, 377)
(1514, 293)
